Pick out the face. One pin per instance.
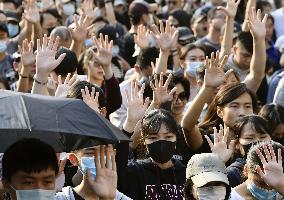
(172, 4)
(200, 29)
(28, 181)
(258, 181)
(3, 35)
(236, 109)
(120, 9)
(231, 78)
(250, 135)
(96, 71)
(179, 104)
(87, 152)
(241, 56)
(173, 21)
(195, 55)
(269, 29)
(219, 19)
(49, 21)
(163, 134)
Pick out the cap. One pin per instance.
(185, 35)
(110, 31)
(205, 168)
(198, 18)
(119, 2)
(3, 27)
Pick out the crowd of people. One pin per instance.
(196, 85)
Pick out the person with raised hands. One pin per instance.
(98, 64)
(214, 78)
(264, 172)
(249, 56)
(98, 166)
(64, 87)
(166, 38)
(45, 63)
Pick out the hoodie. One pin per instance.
(145, 180)
(67, 194)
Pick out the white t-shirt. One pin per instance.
(278, 16)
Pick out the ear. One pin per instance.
(103, 111)
(73, 159)
(220, 112)
(234, 49)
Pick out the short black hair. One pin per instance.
(75, 92)
(69, 64)
(257, 122)
(245, 38)
(146, 56)
(28, 155)
(182, 17)
(152, 122)
(274, 114)
(253, 160)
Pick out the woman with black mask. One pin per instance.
(159, 176)
(248, 130)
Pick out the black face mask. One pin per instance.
(161, 151)
(247, 148)
(279, 140)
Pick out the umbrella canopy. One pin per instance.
(65, 124)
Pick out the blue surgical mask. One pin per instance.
(88, 163)
(192, 67)
(13, 30)
(260, 193)
(115, 50)
(69, 9)
(89, 42)
(38, 194)
(3, 46)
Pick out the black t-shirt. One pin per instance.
(129, 49)
(77, 196)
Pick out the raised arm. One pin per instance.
(110, 13)
(166, 38)
(250, 5)
(28, 61)
(214, 77)
(257, 64)
(45, 63)
(227, 42)
(79, 34)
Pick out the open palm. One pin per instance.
(231, 8)
(256, 25)
(104, 50)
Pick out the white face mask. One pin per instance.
(38, 194)
(115, 50)
(68, 9)
(211, 193)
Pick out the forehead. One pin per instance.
(195, 52)
(243, 99)
(48, 173)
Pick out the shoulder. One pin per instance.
(235, 195)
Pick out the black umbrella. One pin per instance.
(66, 124)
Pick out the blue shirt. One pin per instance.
(274, 55)
(273, 85)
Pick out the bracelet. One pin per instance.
(38, 82)
(23, 76)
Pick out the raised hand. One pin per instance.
(231, 8)
(256, 25)
(27, 55)
(220, 146)
(80, 31)
(136, 105)
(31, 12)
(45, 58)
(63, 88)
(91, 99)
(89, 9)
(105, 183)
(214, 72)
(272, 172)
(104, 54)
(160, 90)
(141, 39)
(165, 37)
